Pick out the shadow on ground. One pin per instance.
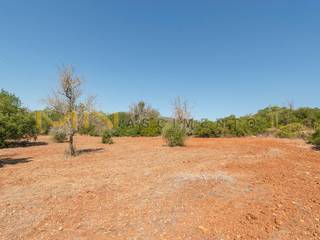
(16, 144)
(89, 150)
(13, 161)
(316, 148)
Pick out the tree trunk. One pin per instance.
(71, 146)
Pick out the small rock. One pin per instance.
(277, 221)
(203, 229)
(251, 216)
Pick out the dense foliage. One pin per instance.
(276, 121)
(126, 125)
(293, 130)
(16, 122)
(207, 129)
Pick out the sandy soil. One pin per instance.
(245, 188)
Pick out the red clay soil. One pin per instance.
(137, 188)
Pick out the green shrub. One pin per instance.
(91, 131)
(107, 137)
(174, 134)
(48, 117)
(119, 132)
(2, 131)
(292, 130)
(207, 129)
(59, 134)
(133, 131)
(16, 122)
(152, 128)
(315, 138)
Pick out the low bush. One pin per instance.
(152, 129)
(107, 137)
(59, 134)
(133, 131)
(119, 132)
(207, 129)
(91, 131)
(315, 139)
(136, 131)
(292, 130)
(174, 134)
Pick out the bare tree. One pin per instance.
(86, 107)
(141, 111)
(181, 110)
(65, 101)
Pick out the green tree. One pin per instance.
(16, 122)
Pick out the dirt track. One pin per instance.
(245, 188)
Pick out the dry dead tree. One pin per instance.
(65, 101)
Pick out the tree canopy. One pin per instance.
(16, 122)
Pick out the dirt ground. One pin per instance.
(137, 188)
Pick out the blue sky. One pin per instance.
(224, 57)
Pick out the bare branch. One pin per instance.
(181, 109)
(65, 99)
(141, 111)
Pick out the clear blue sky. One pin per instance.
(223, 56)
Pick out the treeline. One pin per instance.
(17, 122)
(142, 121)
(273, 121)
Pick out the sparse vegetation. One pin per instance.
(292, 130)
(141, 111)
(181, 109)
(107, 137)
(174, 134)
(165, 127)
(59, 134)
(142, 120)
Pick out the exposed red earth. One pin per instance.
(137, 188)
